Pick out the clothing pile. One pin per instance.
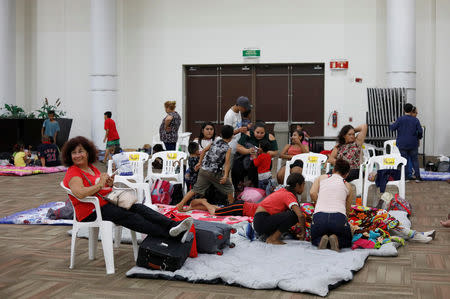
(370, 227)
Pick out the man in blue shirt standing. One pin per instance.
(409, 131)
(50, 127)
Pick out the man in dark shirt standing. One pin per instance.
(48, 153)
(409, 131)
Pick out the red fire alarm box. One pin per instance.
(339, 64)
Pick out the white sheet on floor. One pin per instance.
(296, 267)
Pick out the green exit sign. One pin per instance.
(251, 53)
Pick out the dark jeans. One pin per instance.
(331, 224)
(238, 173)
(266, 224)
(170, 146)
(139, 218)
(411, 155)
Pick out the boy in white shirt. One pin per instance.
(233, 118)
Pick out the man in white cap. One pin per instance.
(233, 118)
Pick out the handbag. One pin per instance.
(400, 204)
(123, 198)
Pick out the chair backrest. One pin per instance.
(183, 141)
(386, 162)
(368, 151)
(312, 165)
(390, 147)
(136, 164)
(91, 199)
(171, 161)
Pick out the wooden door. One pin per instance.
(308, 97)
(202, 98)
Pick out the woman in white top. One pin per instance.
(207, 135)
(332, 196)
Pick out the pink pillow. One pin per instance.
(251, 194)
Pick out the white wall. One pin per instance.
(160, 36)
(156, 38)
(442, 85)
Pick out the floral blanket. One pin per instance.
(36, 216)
(29, 170)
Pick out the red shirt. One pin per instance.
(84, 209)
(249, 208)
(111, 126)
(262, 162)
(279, 201)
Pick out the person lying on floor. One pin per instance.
(279, 211)
(84, 179)
(332, 196)
(214, 165)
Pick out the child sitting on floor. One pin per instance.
(21, 158)
(215, 168)
(194, 156)
(263, 163)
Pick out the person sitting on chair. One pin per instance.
(84, 179)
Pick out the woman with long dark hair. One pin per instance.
(349, 148)
(207, 135)
(296, 147)
(279, 211)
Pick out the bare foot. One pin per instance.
(211, 209)
(445, 223)
(275, 242)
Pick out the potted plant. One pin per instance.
(19, 127)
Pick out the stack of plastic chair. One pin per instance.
(106, 233)
(312, 166)
(385, 162)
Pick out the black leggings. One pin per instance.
(235, 209)
(139, 218)
(266, 224)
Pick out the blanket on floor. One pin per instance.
(36, 216)
(29, 170)
(434, 176)
(257, 265)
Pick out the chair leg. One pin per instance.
(401, 189)
(117, 236)
(93, 242)
(134, 243)
(72, 246)
(106, 233)
(366, 191)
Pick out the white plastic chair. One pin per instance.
(385, 162)
(183, 141)
(137, 160)
(369, 151)
(172, 167)
(312, 167)
(106, 233)
(392, 146)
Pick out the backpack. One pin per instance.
(443, 166)
(161, 192)
(400, 204)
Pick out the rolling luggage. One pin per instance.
(163, 254)
(212, 237)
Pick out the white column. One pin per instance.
(104, 65)
(7, 52)
(401, 45)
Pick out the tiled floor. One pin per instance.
(34, 259)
